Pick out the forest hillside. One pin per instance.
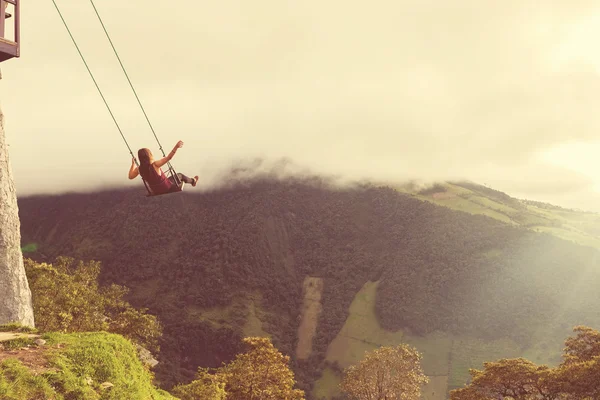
(464, 273)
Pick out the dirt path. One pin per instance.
(4, 336)
(310, 315)
(32, 357)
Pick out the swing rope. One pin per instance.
(170, 167)
(93, 79)
(127, 76)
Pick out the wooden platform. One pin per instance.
(8, 49)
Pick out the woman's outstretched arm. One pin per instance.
(164, 160)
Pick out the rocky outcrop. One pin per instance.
(15, 295)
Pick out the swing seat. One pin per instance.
(9, 48)
(175, 189)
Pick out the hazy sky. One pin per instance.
(500, 92)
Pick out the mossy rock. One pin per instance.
(75, 366)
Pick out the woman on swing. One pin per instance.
(151, 171)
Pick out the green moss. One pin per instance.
(17, 343)
(16, 327)
(77, 365)
(17, 382)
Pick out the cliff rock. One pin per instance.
(15, 295)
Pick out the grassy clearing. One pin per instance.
(361, 331)
(435, 349)
(327, 385)
(362, 323)
(218, 317)
(254, 325)
(435, 389)
(579, 227)
(467, 201)
(74, 366)
(18, 382)
(245, 312)
(470, 352)
(347, 351)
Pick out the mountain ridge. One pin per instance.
(198, 260)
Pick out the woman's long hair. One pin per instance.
(144, 156)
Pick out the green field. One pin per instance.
(327, 385)
(446, 358)
(362, 332)
(436, 388)
(576, 226)
(470, 352)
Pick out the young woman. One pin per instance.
(151, 171)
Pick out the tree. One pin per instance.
(579, 373)
(67, 298)
(585, 346)
(517, 379)
(262, 372)
(206, 386)
(386, 373)
(576, 377)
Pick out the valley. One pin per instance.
(464, 273)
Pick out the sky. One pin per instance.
(503, 93)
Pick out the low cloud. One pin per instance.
(389, 90)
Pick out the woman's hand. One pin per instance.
(178, 145)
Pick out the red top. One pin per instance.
(158, 184)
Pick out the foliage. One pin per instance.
(576, 377)
(386, 373)
(583, 347)
(29, 248)
(509, 378)
(75, 366)
(67, 298)
(259, 373)
(206, 386)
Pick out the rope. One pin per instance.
(127, 76)
(93, 79)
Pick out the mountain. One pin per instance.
(464, 273)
